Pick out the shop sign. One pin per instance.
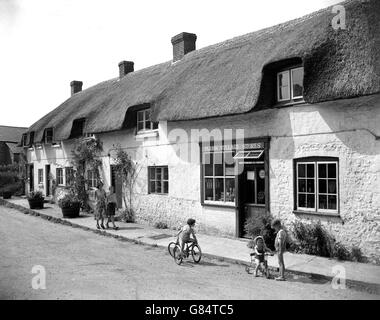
(235, 146)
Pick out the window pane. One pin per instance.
(310, 170)
(218, 161)
(148, 125)
(332, 170)
(155, 125)
(140, 126)
(322, 170)
(152, 173)
(158, 187)
(208, 161)
(166, 187)
(332, 186)
(322, 202)
(229, 164)
(310, 201)
(302, 200)
(322, 186)
(209, 189)
(140, 116)
(297, 82)
(301, 170)
(158, 173)
(166, 174)
(283, 86)
(230, 189)
(147, 115)
(152, 187)
(219, 189)
(310, 185)
(332, 202)
(302, 185)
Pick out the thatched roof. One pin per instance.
(226, 78)
(11, 134)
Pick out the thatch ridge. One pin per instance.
(225, 78)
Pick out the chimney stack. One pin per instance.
(76, 86)
(183, 43)
(125, 67)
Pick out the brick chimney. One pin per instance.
(183, 43)
(76, 86)
(125, 67)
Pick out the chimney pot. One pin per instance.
(125, 67)
(76, 86)
(183, 43)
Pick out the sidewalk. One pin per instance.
(233, 250)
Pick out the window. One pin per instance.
(59, 176)
(49, 135)
(69, 175)
(219, 176)
(158, 180)
(290, 85)
(40, 176)
(317, 186)
(91, 178)
(24, 139)
(77, 128)
(143, 121)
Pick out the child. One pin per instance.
(259, 251)
(185, 233)
(111, 206)
(280, 245)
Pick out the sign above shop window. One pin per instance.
(235, 146)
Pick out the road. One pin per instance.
(84, 265)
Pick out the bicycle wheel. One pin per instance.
(196, 253)
(171, 247)
(177, 255)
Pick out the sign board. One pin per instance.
(235, 146)
(250, 175)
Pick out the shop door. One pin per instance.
(47, 179)
(251, 194)
(116, 182)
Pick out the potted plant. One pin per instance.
(36, 200)
(70, 205)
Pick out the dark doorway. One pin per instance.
(31, 177)
(116, 182)
(47, 179)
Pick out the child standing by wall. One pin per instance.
(111, 207)
(280, 245)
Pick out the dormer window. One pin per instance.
(48, 138)
(31, 138)
(143, 121)
(290, 85)
(24, 140)
(77, 128)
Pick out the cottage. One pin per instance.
(9, 144)
(284, 121)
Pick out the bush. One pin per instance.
(340, 252)
(7, 178)
(357, 255)
(14, 188)
(36, 195)
(260, 226)
(161, 225)
(127, 216)
(69, 201)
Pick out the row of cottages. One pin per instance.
(10, 151)
(284, 120)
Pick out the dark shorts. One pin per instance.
(111, 207)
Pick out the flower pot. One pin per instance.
(72, 212)
(7, 194)
(36, 203)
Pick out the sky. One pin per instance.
(45, 44)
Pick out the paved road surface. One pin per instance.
(85, 265)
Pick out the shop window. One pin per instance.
(317, 185)
(59, 176)
(158, 180)
(219, 176)
(290, 85)
(144, 122)
(91, 179)
(69, 175)
(40, 176)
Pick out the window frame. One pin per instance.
(46, 136)
(162, 180)
(91, 181)
(316, 161)
(144, 112)
(58, 176)
(292, 98)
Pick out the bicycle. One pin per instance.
(192, 248)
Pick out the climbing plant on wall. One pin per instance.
(85, 156)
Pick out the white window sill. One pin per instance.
(146, 134)
(219, 203)
(318, 213)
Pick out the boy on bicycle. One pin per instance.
(184, 234)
